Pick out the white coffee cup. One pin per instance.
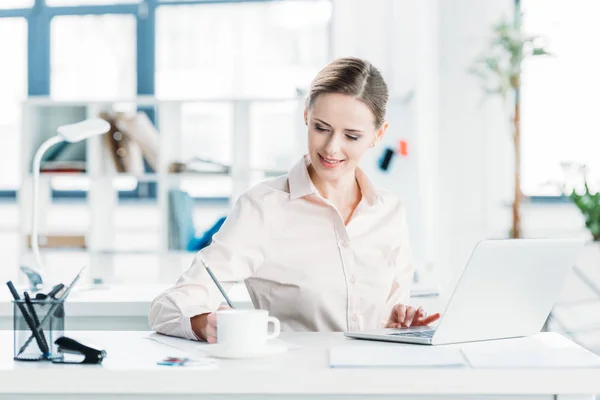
(245, 331)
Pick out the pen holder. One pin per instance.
(47, 318)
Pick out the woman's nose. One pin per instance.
(333, 145)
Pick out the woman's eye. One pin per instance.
(352, 137)
(320, 128)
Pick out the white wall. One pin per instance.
(399, 37)
(464, 150)
(474, 157)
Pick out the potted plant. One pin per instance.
(499, 69)
(586, 199)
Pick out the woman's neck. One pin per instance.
(342, 192)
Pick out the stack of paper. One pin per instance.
(395, 356)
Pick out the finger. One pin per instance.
(410, 315)
(429, 320)
(419, 316)
(211, 319)
(212, 339)
(399, 313)
(224, 308)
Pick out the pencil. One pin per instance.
(212, 276)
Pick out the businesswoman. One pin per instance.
(321, 248)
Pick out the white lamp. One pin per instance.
(66, 133)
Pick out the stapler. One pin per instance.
(71, 351)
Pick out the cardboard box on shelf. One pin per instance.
(59, 241)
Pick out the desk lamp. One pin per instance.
(71, 133)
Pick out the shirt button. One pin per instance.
(354, 317)
(344, 244)
(352, 279)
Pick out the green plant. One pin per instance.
(587, 200)
(500, 69)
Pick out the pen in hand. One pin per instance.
(212, 276)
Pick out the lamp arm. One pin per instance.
(37, 161)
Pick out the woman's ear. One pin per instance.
(306, 116)
(380, 133)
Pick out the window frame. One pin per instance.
(39, 18)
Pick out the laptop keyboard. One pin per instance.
(422, 334)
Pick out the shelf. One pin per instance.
(196, 174)
(42, 115)
(62, 174)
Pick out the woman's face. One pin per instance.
(340, 130)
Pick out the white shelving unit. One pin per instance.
(41, 117)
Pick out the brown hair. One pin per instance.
(354, 77)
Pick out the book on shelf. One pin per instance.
(125, 153)
(143, 133)
(59, 240)
(63, 167)
(198, 165)
(181, 219)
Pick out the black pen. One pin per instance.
(34, 315)
(217, 283)
(34, 329)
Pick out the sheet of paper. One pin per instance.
(535, 357)
(195, 347)
(187, 346)
(395, 356)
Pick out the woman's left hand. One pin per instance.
(403, 316)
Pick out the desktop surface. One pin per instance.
(130, 368)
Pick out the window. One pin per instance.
(560, 95)
(8, 4)
(263, 49)
(255, 50)
(88, 2)
(93, 57)
(13, 81)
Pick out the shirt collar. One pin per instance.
(299, 180)
(301, 185)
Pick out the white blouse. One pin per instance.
(299, 260)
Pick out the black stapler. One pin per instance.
(72, 352)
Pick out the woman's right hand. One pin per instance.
(205, 325)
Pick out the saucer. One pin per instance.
(223, 352)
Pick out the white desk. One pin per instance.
(130, 371)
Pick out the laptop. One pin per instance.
(507, 289)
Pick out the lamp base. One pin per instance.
(36, 281)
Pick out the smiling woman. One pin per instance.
(345, 114)
(346, 264)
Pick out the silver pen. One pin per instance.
(212, 276)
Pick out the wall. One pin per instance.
(399, 37)
(474, 158)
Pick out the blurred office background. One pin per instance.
(223, 84)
